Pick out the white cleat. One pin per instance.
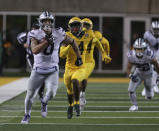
(143, 93)
(43, 109)
(26, 119)
(155, 88)
(82, 100)
(133, 108)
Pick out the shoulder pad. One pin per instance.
(22, 37)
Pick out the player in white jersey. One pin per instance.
(45, 43)
(24, 40)
(152, 38)
(140, 60)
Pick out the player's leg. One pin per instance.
(132, 94)
(154, 82)
(76, 93)
(41, 91)
(35, 82)
(148, 87)
(76, 78)
(88, 70)
(82, 94)
(51, 83)
(67, 82)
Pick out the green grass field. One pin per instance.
(106, 110)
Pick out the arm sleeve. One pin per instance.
(64, 51)
(106, 46)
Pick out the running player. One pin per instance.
(140, 60)
(74, 75)
(152, 38)
(89, 59)
(45, 44)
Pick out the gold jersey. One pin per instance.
(90, 48)
(104, 42)
(83, 42)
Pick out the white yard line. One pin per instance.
(82, 124)
(82, 111)
(10, 90)
(86, 106)
(60, 117)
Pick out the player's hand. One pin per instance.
(106, 59)
(78, 62)
(133, 78)
(49, 38)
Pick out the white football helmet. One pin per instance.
(140, 46)
(46, 21)
(155, 28)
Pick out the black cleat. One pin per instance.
(70, 112)
(77, 109)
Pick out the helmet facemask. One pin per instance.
(140, 52)
(76, 28)
(47, 25)
(86, 25)
(140, 47)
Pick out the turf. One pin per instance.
(106, 110)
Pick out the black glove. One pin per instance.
(133, 78)
(78, 62)
(49, 38)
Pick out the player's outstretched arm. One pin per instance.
(106, 46)
(38, 47)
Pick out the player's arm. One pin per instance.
(69, 41)
(129, 68)
(156, 65)
(64, 50)
(38, 47)
(106, 46)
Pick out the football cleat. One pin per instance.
(70, 112)
(77, 109)
(155, 88)
(133, 108)
(26, 119)
(82, 100)
(143, 93)
(43, 109)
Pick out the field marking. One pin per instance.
(85, 106)
(82, 111)
(81, 124)
(61, 117)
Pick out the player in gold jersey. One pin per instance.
(89, 60)
(75, 74)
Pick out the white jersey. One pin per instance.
(143, 65)
(48, 57)
(152, 40)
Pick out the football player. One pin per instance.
(24, 39)
(140, 61)
(45, 43)
(89, 59)
(152, 38)
(74, 75)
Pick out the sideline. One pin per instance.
(12, 89)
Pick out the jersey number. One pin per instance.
(143, 67)
(49, 49)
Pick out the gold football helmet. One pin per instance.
(75, 25)
(87, 23)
